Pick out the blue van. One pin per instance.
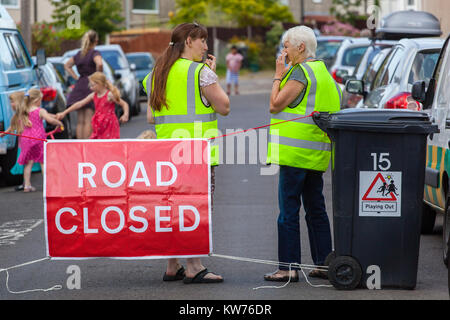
(17, 73)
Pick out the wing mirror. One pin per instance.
(355, 87)
(418, 91)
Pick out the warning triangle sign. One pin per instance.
(370, 196)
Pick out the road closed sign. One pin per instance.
(127, 198)
(380, 193)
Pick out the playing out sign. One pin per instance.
(380, 193)
(127, 198)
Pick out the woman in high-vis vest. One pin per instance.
(182, 91)
(301, 149)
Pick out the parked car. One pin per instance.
(58, 65)
(365, 63)
(434, 94)
(123, 71)
(144, 63)
(17, 73)
(409, 61)
(347, 57)
(54, 99)
(327, 48)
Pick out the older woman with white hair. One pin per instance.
(301, 149)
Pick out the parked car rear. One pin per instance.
(409, 61)
(144, 63)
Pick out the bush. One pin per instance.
(337, 28)
(45, 36)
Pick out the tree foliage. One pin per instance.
(239, 12)
(347, 10)
(103, 16)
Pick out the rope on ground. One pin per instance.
(284, 264)
(55, 287)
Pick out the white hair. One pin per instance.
(302, 34)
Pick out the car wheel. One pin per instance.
(446, 233)
(138, 102)
(428, 219)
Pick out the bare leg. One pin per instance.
(84, 126)
(172, 267)
(228, 88)
(236, 89)
(89, 113)
(27, 174)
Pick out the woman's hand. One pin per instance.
(280, 66)
(211, 62)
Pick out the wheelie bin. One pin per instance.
(378, 172)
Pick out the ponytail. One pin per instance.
(88, 41)
(167, 59)
(113, 89)
(21, 119)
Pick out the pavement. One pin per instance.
(252, 82)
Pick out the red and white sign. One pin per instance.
(127, 198)
(380, 193)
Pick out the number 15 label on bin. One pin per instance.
(380, 193)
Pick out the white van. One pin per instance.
(437, 175)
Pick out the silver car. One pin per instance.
(347, 57)
(409, 61)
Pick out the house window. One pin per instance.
(10, 3)
(145, 6)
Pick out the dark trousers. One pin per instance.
(295, 185)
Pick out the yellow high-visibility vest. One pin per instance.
(185, 115)
(301, 143)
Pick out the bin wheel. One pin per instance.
(330, 257)
(344, 273)
(446, 233)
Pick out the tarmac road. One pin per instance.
(244, 225)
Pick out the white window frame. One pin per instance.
(11, 6)
(144, 11)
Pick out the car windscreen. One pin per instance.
(141, 62)
(423, 66)
(352, 56)
(115, 59)
(327, 49)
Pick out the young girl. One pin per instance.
(105, 96)
(27, 121)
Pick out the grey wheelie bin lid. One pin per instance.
(376, 120)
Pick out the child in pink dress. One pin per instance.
(104, 122)
(27, 121)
